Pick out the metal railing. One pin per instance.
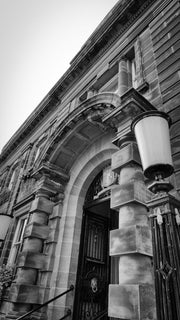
(46, 303)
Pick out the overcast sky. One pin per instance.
(38, 39)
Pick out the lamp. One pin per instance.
(4, 225)
(151, 130)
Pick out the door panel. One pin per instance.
(92, 283)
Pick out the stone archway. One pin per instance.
(79, 129)
(82, 173)
(77, 150)
(86, 127)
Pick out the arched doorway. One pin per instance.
(77, 150)
(94, 266)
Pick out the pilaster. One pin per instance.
(27, 290)
(123, 77)
(133, 296)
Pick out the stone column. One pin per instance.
(133, 296)
(141, 83)
(24, 291)
(139, 63)
(122, 77)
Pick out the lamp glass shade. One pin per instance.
(152, 134)
(4, 225)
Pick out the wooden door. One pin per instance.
(93, 275)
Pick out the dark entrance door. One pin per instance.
(93, 275)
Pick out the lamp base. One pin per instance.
(160, 186)
(162, 169)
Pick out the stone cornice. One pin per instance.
(123, 14)
(119, 19)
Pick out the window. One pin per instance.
(12, 177)
(133, 73)
(24, 160)
(18, 239)
(131, 69)
(40, 144)
(134, 58)
(37, 153)
(3, 180)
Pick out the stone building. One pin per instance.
(71, 176)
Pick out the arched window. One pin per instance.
(38, 147)
(3, 180)
(12, 177)
(11, 182)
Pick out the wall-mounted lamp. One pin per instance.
(151, 130)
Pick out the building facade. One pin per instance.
(71, 176)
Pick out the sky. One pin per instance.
(38, 39)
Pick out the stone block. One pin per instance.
(135, 214)
(36, 230)
(131, 239)
(135, 302)
(131, 173)
(25, 293)
(26, 275)
(125, 156)
(127, 193)
(41, 204)
(135, 269)
(32, 260)
(57, 211)
(53, 235)
(33, 245)
(39, 217)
